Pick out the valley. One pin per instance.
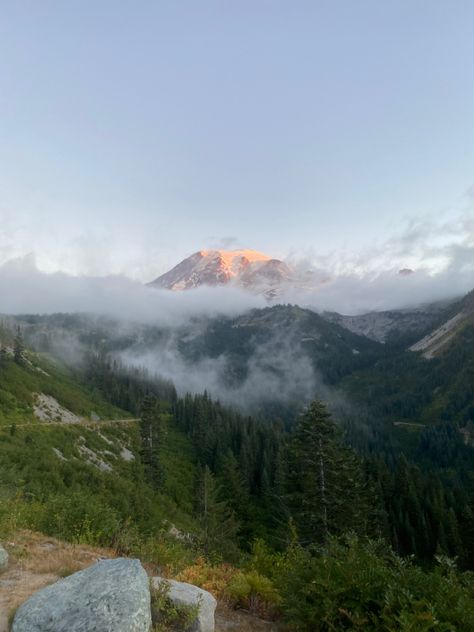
(236, 316)
(81, 394)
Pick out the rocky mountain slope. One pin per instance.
(391, 325)
(459, 316)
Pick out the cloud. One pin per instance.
(225, 243)
(26, 289)
(439, 250)
(277, 370)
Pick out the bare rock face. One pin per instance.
(3, 559)
(182, 594)
(110, 596)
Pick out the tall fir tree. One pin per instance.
(219, 527)
(151, 431)
(18, 347)
(325, 488)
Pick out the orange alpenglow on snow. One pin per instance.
(248, 268)
(232, 260)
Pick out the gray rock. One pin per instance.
(3, 559)
(183, 594)
(110, 596)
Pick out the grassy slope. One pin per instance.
(42, 375)
(63, 489)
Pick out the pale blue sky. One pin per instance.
(134, 133)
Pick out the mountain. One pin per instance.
(390, 325)
(270, 359)
(425, 388)
(458, 317)
(246, 268)
(195, 482)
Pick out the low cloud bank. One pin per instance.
(277, 371)
(388, 290)
(26, 290)
(439, 251)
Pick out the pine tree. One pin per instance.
(18, 347)
(233, 483)
(151, 431)
(3, 355)
(325, 487)
(219, 527)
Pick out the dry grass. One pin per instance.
(36, 561)
(42, 555)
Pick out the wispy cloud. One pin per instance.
(439, 250)
(26, 289)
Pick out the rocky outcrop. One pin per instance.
(381, 326)
(182, 594)
(3, 559)
(110, 596)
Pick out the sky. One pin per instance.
(133, 134)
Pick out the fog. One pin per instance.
(278, 371)
(439, 255)
(439, 251)
(24, 289)
(353, 294)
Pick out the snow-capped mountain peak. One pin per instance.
(247, 268)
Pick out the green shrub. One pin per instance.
(266, 561)
(361, 585)
(164, 551)
(254, 592)
(79, 517)
(168, 616)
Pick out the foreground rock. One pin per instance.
(182, 594)
(3, 559)
(110, 596)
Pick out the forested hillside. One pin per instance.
(190, 484)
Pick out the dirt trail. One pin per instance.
(82, 422)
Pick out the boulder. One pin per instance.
(110, 596)
(182, 594)
(3, 559)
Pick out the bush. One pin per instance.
(254, 592)
(79, 517)
(166, 615)
(362, 585)
(214, 579)
(165, 552)
(238, 588)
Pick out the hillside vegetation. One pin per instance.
(291, 524)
